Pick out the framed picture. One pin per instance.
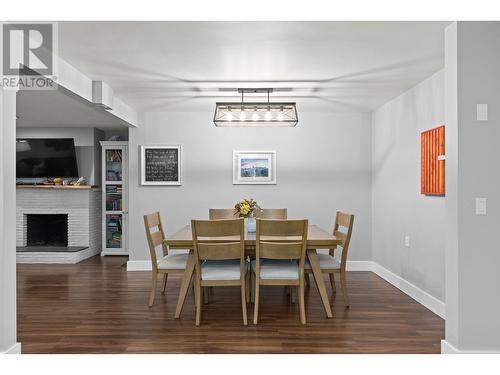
(161, 165)
(254, 167)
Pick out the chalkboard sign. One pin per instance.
(161, 165)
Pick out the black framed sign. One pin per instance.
(161, 165)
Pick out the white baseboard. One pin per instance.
(139, 265)
(14, 349)
(422, 297)
(447, 348)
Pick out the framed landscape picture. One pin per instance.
(254, 167)
(161, 165)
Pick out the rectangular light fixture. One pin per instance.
(239, 114)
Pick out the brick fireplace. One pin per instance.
(53, 223)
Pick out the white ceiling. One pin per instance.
(187, 66)
(61, 108)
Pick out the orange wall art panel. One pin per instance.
(432, 159)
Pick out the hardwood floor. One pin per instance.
(96, 306)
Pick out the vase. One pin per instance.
(251, 224)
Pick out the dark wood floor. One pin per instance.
(98, 307)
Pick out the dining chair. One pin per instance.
(219, 247)
(221, 213)
(278, 214)
(328, 263)
(272, 213)
(279, 258)
(169, 263)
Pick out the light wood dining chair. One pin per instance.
(279, 258)
(219, 247)
(169, 263)
(328, 263)
(272, 213)
(222, 213)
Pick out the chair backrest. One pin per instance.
(219, 239)
(345, 221)
(281, 239)
(272, 213)
(221, 213)
(155, 238)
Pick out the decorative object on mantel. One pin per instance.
(246, 209)
(255, 113)
(80, 181)
(161, 165)
(254, 167)
(432, 159)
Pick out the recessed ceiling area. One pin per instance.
(61, 108)
(187, 66)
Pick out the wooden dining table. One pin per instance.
(317, 238)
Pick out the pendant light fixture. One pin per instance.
(255, 113)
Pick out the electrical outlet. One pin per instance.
(482, 112)
(407, 241)
(480, 206)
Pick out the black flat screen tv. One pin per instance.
(49, 157)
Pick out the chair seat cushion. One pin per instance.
(173, 261)
(277, 269)
(221, 269)
(326, 261)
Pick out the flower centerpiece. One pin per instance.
(246, 209)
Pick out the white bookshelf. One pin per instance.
(114, 198)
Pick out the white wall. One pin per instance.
(323, 165)
(398, 207)
(8, 328)
(475, 307)
(451, 114)
(87, 147)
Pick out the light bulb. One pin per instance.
(255, 116)
(268, 115)
(280, 116)
(243, 116)
(229, 116)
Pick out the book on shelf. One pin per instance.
(113, 156)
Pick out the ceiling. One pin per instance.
(61, 108)
(187, 66)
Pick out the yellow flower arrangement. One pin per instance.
(246, 207)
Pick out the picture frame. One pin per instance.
(161, 165)
(254, 167)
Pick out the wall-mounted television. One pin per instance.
(47, 157)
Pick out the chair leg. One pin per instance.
(154, 279)
(332, 282)
(293, 293)
(165, 277)
(198, 300)
(343, 282)
(256, 303)
(206, 295)
(247, 286)
(252, 287)
(302, 305)
(244, 301)
(307, 279)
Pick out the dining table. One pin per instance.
(317, 238)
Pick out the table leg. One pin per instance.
(318, 278)
(186, 280)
